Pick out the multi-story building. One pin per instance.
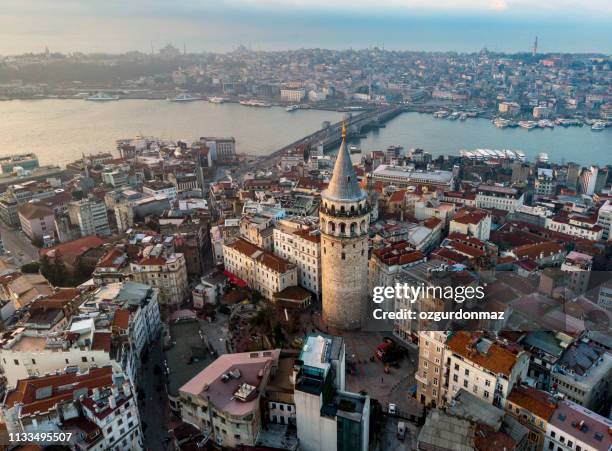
(483, 367)
(261, 270)
(224, 400)
(501, 198)
(573, 427)
(577, 268)
(604, 298)
(97, 407)
(160, 188)
(328, 418)
(90, 216)
(222, 150)
(344, 220)
(299, 243)
(36, 220)
(534, 409)
(584, 374)
(588, 180)
(544, 183)
(471, 222)
(576, 225)
(166, 272)
(257, 229)
(405, 176)
(604, 220)
(292, 95)
(133, 312)
(25, 161)
(432, 387)
(509, 108)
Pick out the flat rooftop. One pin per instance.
(386, 170)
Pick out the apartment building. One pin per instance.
(224, 400)
(432, 387)
(159, 188)
(36, 220)
(501, 198)
(583, 374)
(577, 270)
(483, 367)
(575, 428)
(299, 242)
(471, 222)
(261, 270)
(604, 219)
(90, 216)
(544, 184)
(166, 272)
(534, 409)
(97, 407)
(257, 229)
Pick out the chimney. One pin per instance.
(115, 391)
(112, 402)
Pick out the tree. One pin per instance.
(30, 268)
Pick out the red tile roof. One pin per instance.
(101, 341)
(535, 401)
(72, 249)
(121, 319)
(497, 359)
(26, 389)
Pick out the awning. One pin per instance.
(235, 280)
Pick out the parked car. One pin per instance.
(392, 409)
(401, 430)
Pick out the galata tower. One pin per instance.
(345, 216)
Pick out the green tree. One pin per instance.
(30, 268)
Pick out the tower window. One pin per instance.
(343, 256)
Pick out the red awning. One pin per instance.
(235, 280)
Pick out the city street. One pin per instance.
(154, 408)
(18, 245)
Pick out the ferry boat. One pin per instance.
(454, 116)
(102, 97)
(598, 126)
(184, 97)
(545, 123)
(255, 103)
(501, 123)
(216, 99)
(528, 124)
(463, 116)
(291, 108)
(491, 154)
(543, 157)
(440, 114)
(354, 149)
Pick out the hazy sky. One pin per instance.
(221, 25)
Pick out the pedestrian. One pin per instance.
(382, 380)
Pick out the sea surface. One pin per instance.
(59, 131)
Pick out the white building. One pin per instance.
(404, 176)
(575, 225)
(261, 270)
(472, 222)
(98, 408)
(604, 298)
(158, 188)
(501, 198)
(327, 417)
(292, 95)
(573, 427)
(29, 353)
(483, 367)
(604, 220)
(90, 216)
(300, 244)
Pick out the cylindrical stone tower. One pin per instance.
(345, 217)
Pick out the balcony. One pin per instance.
(421, 379)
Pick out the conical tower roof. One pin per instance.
(343, 185)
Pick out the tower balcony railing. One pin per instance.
(346, 213)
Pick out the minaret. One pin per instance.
(345, 217)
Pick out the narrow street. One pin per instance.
(154, 408)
